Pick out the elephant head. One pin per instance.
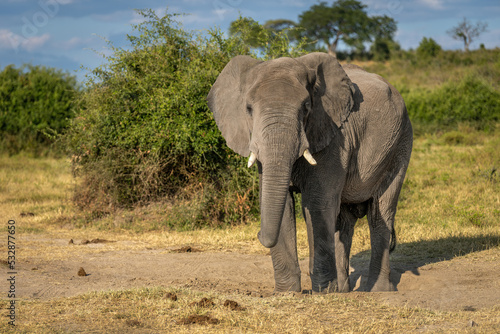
(278, 111)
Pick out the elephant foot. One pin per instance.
(329, 287)
(289, 286)
(343, 285)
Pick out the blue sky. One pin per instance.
(67, 33)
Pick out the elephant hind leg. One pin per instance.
(343, 240)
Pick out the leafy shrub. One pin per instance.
(146, 133)
(36, 103)
(268, 42)
(428, 48)
(471, 100)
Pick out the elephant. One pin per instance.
(340, 136)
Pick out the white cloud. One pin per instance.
(74, 42)
(35, 42)
(435, 4)
(12, 41)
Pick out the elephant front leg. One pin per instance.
(284, 254)
(321, 230)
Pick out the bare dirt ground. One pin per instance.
(463, 283)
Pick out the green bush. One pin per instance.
(36, 104)
(471, 100)
(145, 132)
(268, 42)
(428, 48)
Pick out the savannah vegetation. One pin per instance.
(140, 158)
(36, 104)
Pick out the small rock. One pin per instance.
(81, 272)
(472, 323)
(71, 242)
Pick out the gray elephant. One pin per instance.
(338, 135)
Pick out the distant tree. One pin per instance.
(383, 29)
(382, 49)
(344, 20)
(272, 39)
(428, 48)
(467, 32)
(280, 25)
(248, 30)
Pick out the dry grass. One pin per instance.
(449, 207)
(150, 310)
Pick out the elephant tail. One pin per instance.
(393, 240)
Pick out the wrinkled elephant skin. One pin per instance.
(338, 135)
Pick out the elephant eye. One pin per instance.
(249, 109)
(306, 106)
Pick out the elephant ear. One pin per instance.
(227, 102)
(332, 99)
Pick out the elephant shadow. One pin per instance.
(414, 255)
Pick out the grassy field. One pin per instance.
(449, 207)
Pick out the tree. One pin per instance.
(272, 39)
(248, 30)
(467, 32)
(383, 29)
(344, 20)
(428, 48)
(280, 25)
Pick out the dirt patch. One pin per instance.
(233, 306)
(200, 320)
(187, 249)
(204, 302)
(463, 283)
(133, 323)
(93, 241)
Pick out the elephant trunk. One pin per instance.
(280, 148)
(274, 186)
(282, 142)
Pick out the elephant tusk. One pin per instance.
(309, 158)
(251, 159)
